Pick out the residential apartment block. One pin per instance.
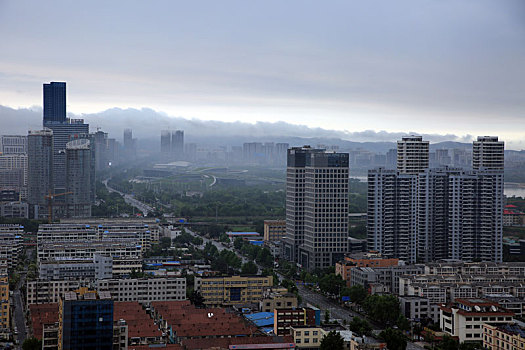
(419, 214)
(274, 230)
(129, 289)
(503, 337)
(464, 318)
(232, 290)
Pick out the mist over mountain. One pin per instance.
(147, 124)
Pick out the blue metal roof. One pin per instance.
(261, 319)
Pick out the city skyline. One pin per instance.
(437, 68)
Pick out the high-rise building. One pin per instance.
(54, 102)
(488, 153)
(40, 170)
(177, 144)
(316, 207)
(128, 138)
(85, 321)
(62, 134)
(13, 173)
(439, 213)
(13, 144)
(412, 155)
(165, 142)
(130, 151)
(100, 143)
(79, 178)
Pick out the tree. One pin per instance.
(382, 308)
(332, 341)
(360, 326)
(356, 293)
(196, 299)
(32, 344)
(327, 316)
(331, 283)
(402, 323)
(448, 343)
(395, 340)
(249, 268)
(237, 243)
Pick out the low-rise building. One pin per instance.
(417, 309)
(307, 337)
(14, 209)
(86, 249)
(144, 290)
(503, 337)
(133, 289)
(99, 267)
(11, 241)
(277, 298)
(274, 230)
(464, 318)
(285, 319)
(4, 305)
(512, 216)
(232, 290)
(370, 259)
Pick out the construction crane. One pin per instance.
(50, 197)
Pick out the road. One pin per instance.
(128, 198)
(19, 319)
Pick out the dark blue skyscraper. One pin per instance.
(86, 321)
(54, 102)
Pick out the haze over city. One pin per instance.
(301, 175)
(437, 68)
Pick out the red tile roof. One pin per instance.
(224, 343)
(155, 347)
(188, 321)
(42, 314)
(140, 324)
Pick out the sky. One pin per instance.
(453, 67)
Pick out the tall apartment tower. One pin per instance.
(130, 151)
(79, 172)
(488, 153)
(412, 155)
(316, 207)
(55, 102)
(392, 225)
(165, 142)
(177, 144)
(439, 213)
(40, 170)
(476, 232)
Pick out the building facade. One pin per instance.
(442, 213)
(79, 172)
(274, 230)
(316, 207)
(40, 171)
(232, 290)
(412, 155)
(464, 318)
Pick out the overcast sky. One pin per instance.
(435, 67)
